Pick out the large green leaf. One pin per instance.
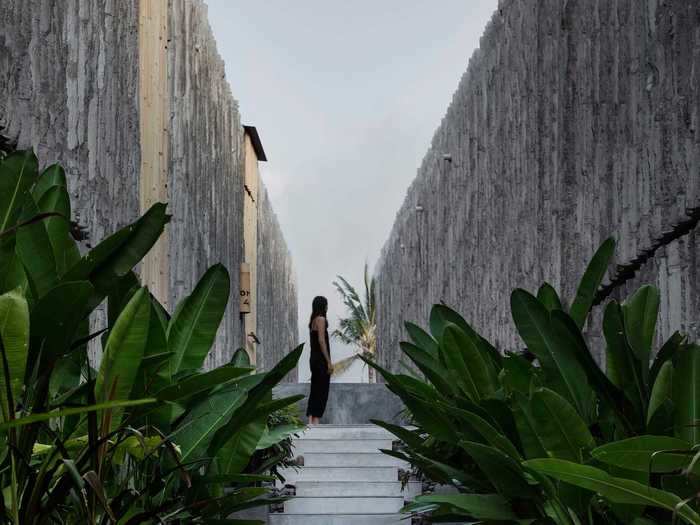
(524, 421)
(201, 382)
(666, 353)
(517, 374)
(432, 368)
(422, 339)
(623, 367)
(487, 432)
(65, 412)
(273, 436)
(235, 454)
(568, 335)
(561, 430)
(662, 390)
(639, 313)
(56, 318)
(194, 328)
(14, 333)
(466, 363)
(18, 172)
(615, 490)
(200, 425)
(548, 296)
(479, 506)
(590, 282)
(533, 322)
(119, 253)
(504, 473)
(259, 394)
(646, 454)
(124, 351)
(686, 394)
(52, 177)
(65, 250)
(441, 316)
(33, 247)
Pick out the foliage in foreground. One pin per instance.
(562, 442)
(147, 436)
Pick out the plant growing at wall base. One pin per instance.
(560, 440)
(359, 329)
(147, 435)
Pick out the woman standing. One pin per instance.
(320, 360)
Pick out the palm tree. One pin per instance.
(359, 328)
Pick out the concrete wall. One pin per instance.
(574, 121)
(69, 84)
(206, 167)
(350, 403)
(77, 87)
(278, 328)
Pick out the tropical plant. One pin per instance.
(359, 329)
(146, 436)
(556, 441)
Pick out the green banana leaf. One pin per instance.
(662, 390)
(533, 323)
(560, 429)
(422, 339)
(193, 329)
(201, 382)
(65, 412)
(18, 172)
(14, 336)
(466, 363)
(590, 282)
(639, 313)
(124, 352)
(548, 296)
(686, 394)
(646, 454)
(615, 490)
(478, 506)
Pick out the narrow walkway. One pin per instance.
(345, 479)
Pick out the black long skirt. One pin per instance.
(320, 382)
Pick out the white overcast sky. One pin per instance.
(346, 97)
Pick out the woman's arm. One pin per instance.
(320, 329)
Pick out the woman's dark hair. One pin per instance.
(319, 306)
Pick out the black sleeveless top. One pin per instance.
(315, 346)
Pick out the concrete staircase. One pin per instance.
(345, 480)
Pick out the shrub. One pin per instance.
(148, 435)
(557, 440)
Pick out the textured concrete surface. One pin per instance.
(574, 121)
(350, 403)
(206, 167)
(69, 88)
(345, 486)
(278, 328)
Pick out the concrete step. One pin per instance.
(303, 446)
(338, 519)
(339, 489)
(352, 459)
(343, 505)
(346, 432)
(341, 474)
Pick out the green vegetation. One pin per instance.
(359, 329)
(563, 442)
(140, 434)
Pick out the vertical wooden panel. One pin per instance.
(153, 123)
(250, 242)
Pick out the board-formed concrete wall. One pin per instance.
(278, 328)
(574, 121)
(206, 167)
(70, 88)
